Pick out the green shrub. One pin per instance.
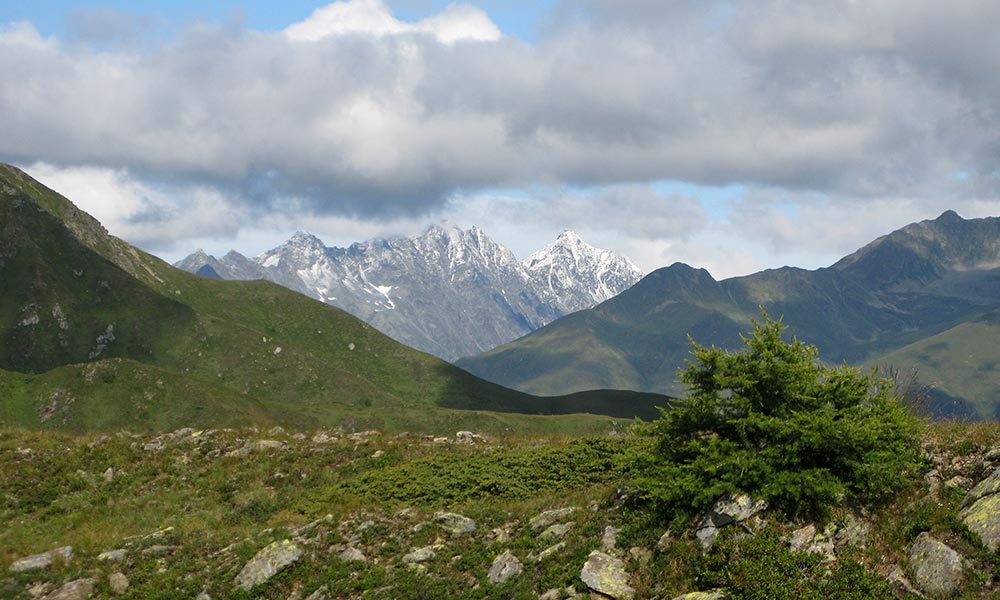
(773, 422)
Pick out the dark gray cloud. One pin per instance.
(867, 100)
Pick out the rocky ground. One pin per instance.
(329, 514)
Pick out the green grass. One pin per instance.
(212, 512)
(201, 352)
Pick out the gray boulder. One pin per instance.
(118, 583)
(728, 510)
(419, 555)
(936, 567)
(80, 589)
(505, 567)
(43, 560)
(713, 595)
(454, 523)
(543, 520)
(606, 575)
(267, 563)
(556, 531)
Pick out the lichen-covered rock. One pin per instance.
(258, 445)
(41, 561)
(80, 589)
(543, 520)
(454, 523)
(981, 511)
(352, 555)
(549, 552)
(606, 575)
(554, 532)
(267, 563)
(505, 566)
(419, 555)
(713, 595)
(936, 567)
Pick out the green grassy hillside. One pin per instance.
(138, 343)
(922, 281)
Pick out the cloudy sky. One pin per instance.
(730, 135)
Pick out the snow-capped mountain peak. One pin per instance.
(575, 275)
(448, 291)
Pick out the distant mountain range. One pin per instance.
(96, 334)
(449, 292)
(925, 297)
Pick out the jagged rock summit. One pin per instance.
(450, 292)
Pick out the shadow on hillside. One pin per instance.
(468, 392)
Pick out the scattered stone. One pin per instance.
(361, 436)
(319, 594)
(258, 445)
(936, 567)
(548, 552)
(606, 575)
(854, 533)
(640, 555)
(323, 437)
(900, 585)
(554, 532)
(465, 436)
(109, 475)
(352, 554)
(549, 517)
(551, 594)
(505, 566)
(80, 589)
(113, 555)
(610, 538)
(378, 454)
(959, 482)
(728, 510)
(267, 563)
(713, 595)
(419, 555)
(118, 583)
(501, 535)
(665, 540)
(454, 523)
(43, 560)
(802, 537)
(158, 550)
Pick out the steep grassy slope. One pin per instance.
(196, 348)
(959, 364)
(908, 286)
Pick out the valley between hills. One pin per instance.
(170, 435)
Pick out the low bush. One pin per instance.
(773, 422)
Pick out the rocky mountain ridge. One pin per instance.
(925, 296)
(450, 292)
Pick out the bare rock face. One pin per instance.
(936, 567)
(267, 563)
(505, 567)
(606, 575)
(483, 296)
